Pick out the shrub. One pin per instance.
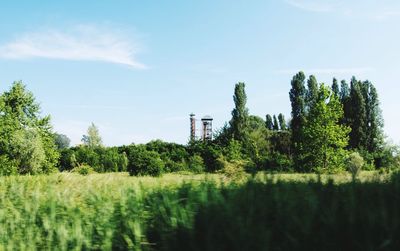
(144, 162)
(233, 169)
(196, 164)
(7, 166)
(83, 169)
(354, 164)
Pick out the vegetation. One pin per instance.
(253, 201)
(118, 212)
(326, 124)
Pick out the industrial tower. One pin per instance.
(206, 129)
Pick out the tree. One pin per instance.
(282, 122)
(269, 124)
(357, 116)
(29, 151)
(93, 138)
(312, 91)
(324, 139)
(144, 162)
(344, 91)
(335, 87)
(25, 136)
(374, 120)
(297, 98)
(61, 141)
(240, 113)
(276, 124)
(344, 96)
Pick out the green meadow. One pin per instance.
(115, 211)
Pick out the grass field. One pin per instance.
(199, 212)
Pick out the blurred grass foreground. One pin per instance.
(197, 212)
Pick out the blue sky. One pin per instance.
(138, 68)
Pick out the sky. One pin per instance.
(137, 69)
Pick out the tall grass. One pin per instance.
(118, 212)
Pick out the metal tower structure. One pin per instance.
(192, 127)
(206, 121)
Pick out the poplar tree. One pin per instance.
(345, 100)
(240, 113)
(374, 124)
(276, 124)
(297, 98)
(282, 122)
(269, 124)
(335, 87)
(357, 116)
(312, 91)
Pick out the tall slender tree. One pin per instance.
(374, 123)
(357, 116)
(312, 91)
(269, 124)
(297, 98)
(345, 100)
(335, 87)
(240, 113)
(282, 122)
(276, 124)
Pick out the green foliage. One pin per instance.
(93, 138)
(233, 151)
(269, 122)
(28, 151)
(354, 164)
(196, 164)
(83, 169)
(297, 97)
(234, 169)
(312, 91)
(209, 151)
(145, 162)
(61, 141)
(335, 88)
(282, 122)
(275, 126)
(117, 212)
(7, 166)
(102, 159)
(26, 138)
(240, 113)
(324, 138)
(389, 157)
(357, 116)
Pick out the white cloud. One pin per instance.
(378, 10)
(331, 71)
(81, 43)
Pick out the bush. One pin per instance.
(83, 169)
(354, 164)
(196, 164)
(233, 169)
(7, 166)
(144, 162)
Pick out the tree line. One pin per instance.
(327, 124)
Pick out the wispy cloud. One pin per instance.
(81, 43)
(378, 10)
(314, 6)
(331, 71)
